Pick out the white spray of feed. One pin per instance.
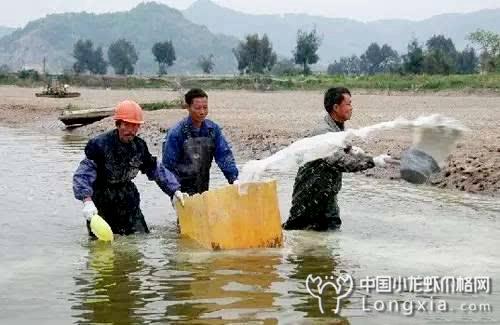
(324, 145)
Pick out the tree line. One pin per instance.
(438, 57)
(122, 56)
(255, 55)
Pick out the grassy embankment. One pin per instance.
(387, 82)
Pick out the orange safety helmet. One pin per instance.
(129, 111)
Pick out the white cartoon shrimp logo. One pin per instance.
(343, 286)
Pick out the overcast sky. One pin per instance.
(17, 13)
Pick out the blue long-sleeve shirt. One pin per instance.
(109, 161)
(174, 142)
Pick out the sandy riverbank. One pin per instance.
(258, 124)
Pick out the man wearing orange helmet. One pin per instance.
(112, 160)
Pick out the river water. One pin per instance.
(50, 273)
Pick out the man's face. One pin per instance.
(343, 111)
(127, 131)
(198, 110)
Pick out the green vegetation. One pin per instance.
(418, 82)
(490, 45)
(88, 59)
(255, 55)
(440, 57)
(89, 81)
(164, 53)
(385, 82)
(206, 63)
(122, 57)
(173, 104)
(306, 48)
(24, 78)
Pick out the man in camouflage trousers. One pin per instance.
(314, 198)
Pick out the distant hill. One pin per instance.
(53, 37)
(341, 37)
(5, 31)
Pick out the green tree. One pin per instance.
(87, 59)
(285, 67)
(306, 48)
(255, 55)
(97, 63)
(122, 56)
(467, 61)
(378, 59)
(490, 49)
(441, 55)
(391, 60)
(206, 63)
(441, 43)
(164, 53)
(371, 59)
(345, 66)
(413, 61)
(29, 74)
(83, 52)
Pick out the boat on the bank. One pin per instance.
(85, 116)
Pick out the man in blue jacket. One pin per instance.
(103, 180)
(191, 145)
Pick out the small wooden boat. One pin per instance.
(85, 116)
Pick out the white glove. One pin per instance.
(236, 182)
(89, 210)
(179, 196)
(357, 150)
(382, 160)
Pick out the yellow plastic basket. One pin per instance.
(226, 218)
